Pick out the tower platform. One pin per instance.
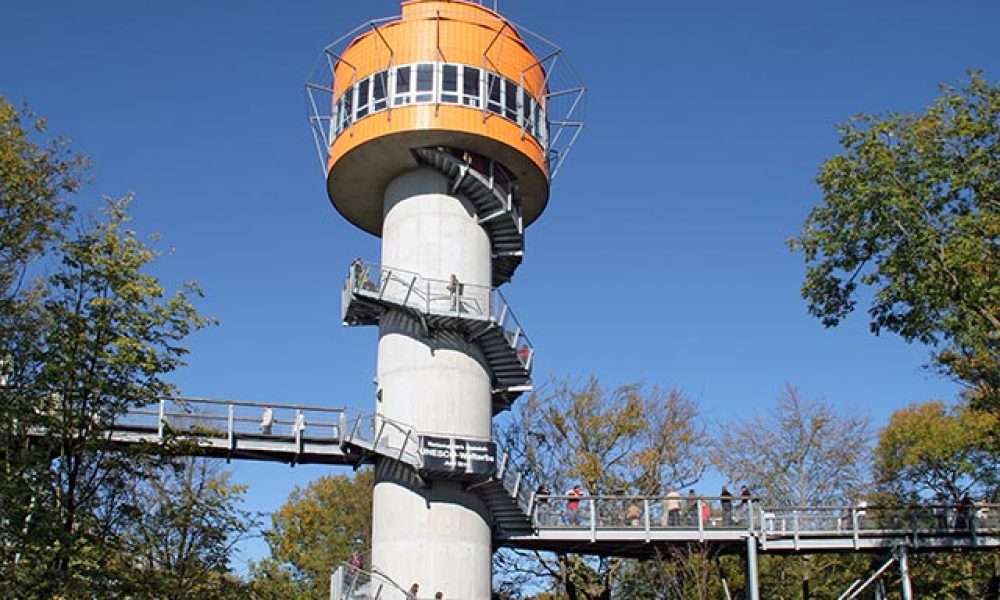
(480, 314)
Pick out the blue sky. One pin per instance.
(660, 258)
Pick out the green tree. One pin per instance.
(178, 542)
(35, 179)
(930, 450)
(629, 440)
(100, 336)
(911, 210)
(318, 527)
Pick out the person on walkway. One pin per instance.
(414, 590)
(542, 508)
(673, 505)
(727, 505)
(633, 514)
(573, 506)
(964, 514)
(455, 289)
(267, 421)
(691, 508)
(438, 595)
(299, 428)
(745, 502)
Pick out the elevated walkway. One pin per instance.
(493, 193)
(639, 526)
(232, 429)
(481, 314)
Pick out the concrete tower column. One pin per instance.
(439, 535)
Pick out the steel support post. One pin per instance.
(906, 591)
(752, 579)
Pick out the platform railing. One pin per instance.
(707, 513)
(386, 437)
(442, 297)
(229, 419)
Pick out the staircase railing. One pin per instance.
(352, 583)
(521, 484)
(386, 437)
(491, 175)
(442, 297)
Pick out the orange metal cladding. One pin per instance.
(452, 31)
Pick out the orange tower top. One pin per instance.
(444, 73)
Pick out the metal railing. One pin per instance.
(706, 513)
(386, 437)
(521, 483)
(228, 419)
(942, 518)
(644, 512)
(352, 583)
(491, 174)
(441, 297)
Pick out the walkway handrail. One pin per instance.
(707, 513)
(206, 417)
(442, 297)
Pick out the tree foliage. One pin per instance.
(318, 527)
(801, 454)
(34, 181)
(96, 337)
(911, 211)
(629, 440)
(179, 543)
(932, 451)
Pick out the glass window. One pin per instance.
(449, 84)
(470, 86)
(494, 90)
(425, 78)
(378, 91)
(402, 80)
(449, 78)
(348, 112)
(529, 112)
(425, 83)
(363, 97)
(510, 100)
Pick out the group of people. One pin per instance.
(267, 422)
(676, 511)
(415, 589)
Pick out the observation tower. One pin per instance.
(439, 130)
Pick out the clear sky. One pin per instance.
(661, 256)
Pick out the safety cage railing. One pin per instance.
(440, 297)
(555, 119)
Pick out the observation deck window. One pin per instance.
(444, 83)
(379, 85)
(401, 95)
(471, 91)
(496, 92)
(425, 83)
(449, 84)
(363, 88)
(510, 100)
